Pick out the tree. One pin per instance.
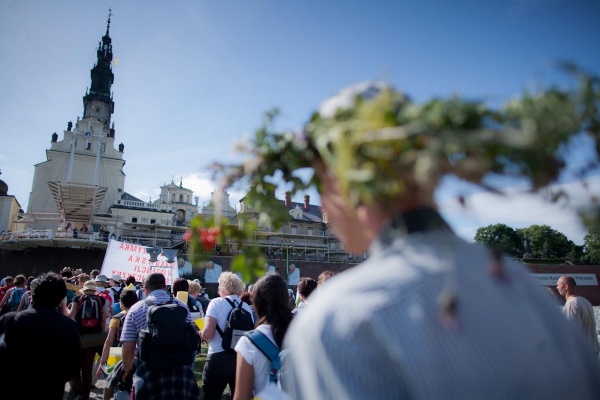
(502, 237)
(547, 242)
(577, 256)
(591, 245)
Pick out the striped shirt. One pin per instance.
(135, 320)
(379, 330)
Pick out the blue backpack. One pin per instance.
(276, 372)
(15, 298)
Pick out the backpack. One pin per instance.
(277, 373)
(168, 340)
(204, 302)
(89, 313)
(141, 295)
(15, 298)
(121, 317)
(117, 293)
(239, 321)
(192, 305)
(117, 301)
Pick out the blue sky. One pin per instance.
(193, 76)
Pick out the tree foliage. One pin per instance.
(591, 244)
(547, 242)
(502, 237)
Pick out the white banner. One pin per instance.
(127, 259)
(551, 279)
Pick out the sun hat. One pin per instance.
(88, 285)
(116, 277)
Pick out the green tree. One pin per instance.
(576, 255)
(591, 246)
(547, 242)
(502, 237)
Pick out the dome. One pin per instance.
(3, 188)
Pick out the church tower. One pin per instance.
(83, 173)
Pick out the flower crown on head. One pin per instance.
(381, 146)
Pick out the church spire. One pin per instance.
(108, 22)
(98, 101)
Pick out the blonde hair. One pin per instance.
(230, 283)
(194, 287)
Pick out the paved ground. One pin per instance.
(96, 393)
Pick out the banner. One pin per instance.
(551, 279)
(129, 259)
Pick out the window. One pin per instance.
(341, 246)
(152, 221)
(309, 231)
(134, 219)
(332, 246)
(294, 229)
(322, 232)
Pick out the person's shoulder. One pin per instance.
(140, 304)
(582, 301)
(119, 315)
(70, 322)
(246, 306)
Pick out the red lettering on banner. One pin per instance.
(130, 259)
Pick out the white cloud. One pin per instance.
(518, 209)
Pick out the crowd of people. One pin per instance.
(55, 305)
(47, 323)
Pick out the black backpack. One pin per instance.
(121, 317)
(191, 303)
(169, 340)
(239, 321)
(117, 293)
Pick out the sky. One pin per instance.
(192, 77)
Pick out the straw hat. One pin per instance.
(88, 285)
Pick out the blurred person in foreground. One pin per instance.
(432, 316)
(41, 345)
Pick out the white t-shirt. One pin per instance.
(253, 356)
(219, 309)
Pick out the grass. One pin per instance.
(199, 366)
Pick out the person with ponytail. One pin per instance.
(271, 303)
